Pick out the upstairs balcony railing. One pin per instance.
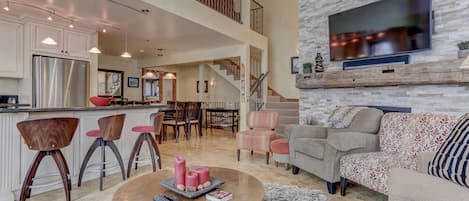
(232, 9)
(229, 8)
(257, 17)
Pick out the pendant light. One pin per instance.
(95, 49)
(49, 41)
(7, 6)
(126, 54)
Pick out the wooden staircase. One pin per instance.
(288, 109)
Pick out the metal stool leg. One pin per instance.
(88, 155)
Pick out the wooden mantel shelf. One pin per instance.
(442, 72)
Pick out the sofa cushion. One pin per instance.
(409, 134)
(451, 160)
(312, 147)
(372, 169)
(338, 115)
(367, 121)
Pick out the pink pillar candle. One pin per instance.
(204, 177)
(192, 181)
(180, 172)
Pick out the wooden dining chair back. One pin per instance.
(111, 127)
(194, 116)
(181, 111)
(48, 134)
(193, 110)
(157, 120)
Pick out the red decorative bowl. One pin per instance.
(99, 101)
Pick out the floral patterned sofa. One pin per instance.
(402, 137)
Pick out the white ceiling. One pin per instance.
(157, 29)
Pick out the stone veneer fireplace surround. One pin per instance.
(447, 95)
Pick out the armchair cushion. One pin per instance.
(306, 131)
(372, 169)
(310, 146)
(258, 140)
(408, 185)
(422, 161)
(352, 140)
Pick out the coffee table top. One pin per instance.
(144, 188)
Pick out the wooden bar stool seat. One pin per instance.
(110, 130)
(47, 136)
(146, 136)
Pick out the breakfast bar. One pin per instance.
(13, 149)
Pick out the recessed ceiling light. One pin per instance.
(71, 26)
(49, 18)
(104, 30)
(142, 50)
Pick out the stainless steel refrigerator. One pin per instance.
(60, 82)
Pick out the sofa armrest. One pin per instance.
(409, 185)
(347, 141)
(305, 131)
(422, 161)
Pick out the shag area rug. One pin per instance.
(278, 192)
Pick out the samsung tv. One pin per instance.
(386, 27)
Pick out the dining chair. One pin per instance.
(194, 117)
(179, 119)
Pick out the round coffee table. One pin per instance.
(144, 188)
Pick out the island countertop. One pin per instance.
(89, 108)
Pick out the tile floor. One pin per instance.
(217, 148)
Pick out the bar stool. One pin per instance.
(146, 135)
(47, 136)
(110, 129)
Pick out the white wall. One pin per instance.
(186, 82)
(281, 27)
(129, 66)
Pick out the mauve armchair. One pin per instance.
(261, 133)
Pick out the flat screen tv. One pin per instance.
(386, 27)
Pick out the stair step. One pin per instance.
(282, 105)
(273, 98)
(284, 112)
(288, 120)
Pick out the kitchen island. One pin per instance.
(16, 157)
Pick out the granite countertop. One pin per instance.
(89, 108)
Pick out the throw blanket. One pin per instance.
(342, 116)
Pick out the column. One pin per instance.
(245, 86)
(202, 78)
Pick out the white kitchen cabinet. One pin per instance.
(41, 32)
(69, 43)
(77, 44)
(11, 49)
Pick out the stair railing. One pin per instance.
(256, 97)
